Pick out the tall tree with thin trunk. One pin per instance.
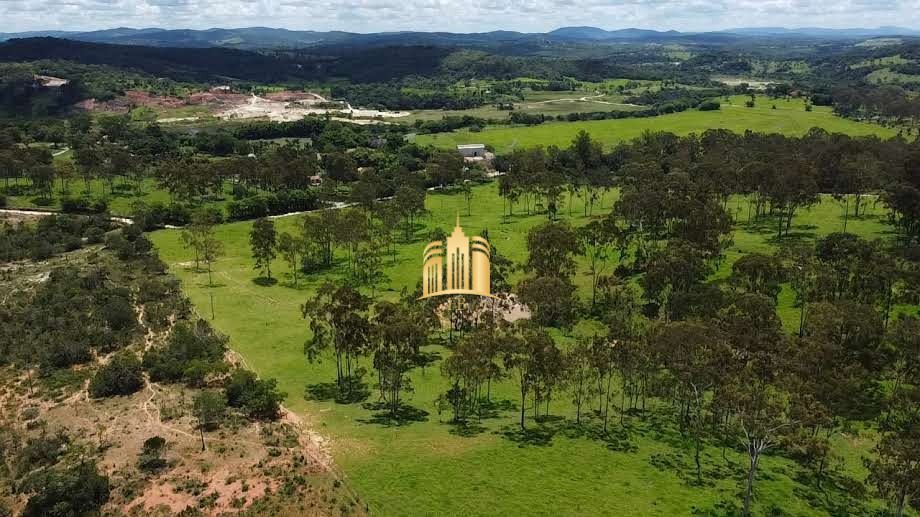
(263, 242)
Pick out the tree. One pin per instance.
(444, 167)
(151, 456)
(77, 490)
(579, 374)
(802, 270)
(551, 250)
(678, 268)
(693, 353)
(552, 300)
(259, 398)
(758, 273)
(210, 249)
(857, 175)
(341, 167)
(291, 249)
(895, 472)
(472, 365)
(208, 408)
(338, 320)
(398, 333)
(42, 177)
(793, 187)
(763, 412)
(319, 231)
(533, 355)
(596, 245)
(410, 203)
(262, 241)
(122, 375)
(199, 236)
(903, 338)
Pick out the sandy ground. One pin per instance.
(226, 105)
(285, 107)
(243, 462)
(50, 81)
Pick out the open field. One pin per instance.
(423, 466)
(789, 118)
(120, 202)
(889, 76)
(551, 103)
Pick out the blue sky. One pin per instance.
(452, 15)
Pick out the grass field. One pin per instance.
(548, 103)
(889, 76)
(120, 202)
(789, 118)
(426, 467)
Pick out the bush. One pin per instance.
(709, 105)
(79, 490)
(151, 456)
(41, 451)
(122, 376)
(83, 205)
(192, 352)
(749, 104)
(260, 399)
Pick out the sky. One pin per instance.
(454, 15)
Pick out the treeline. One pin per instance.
(22, 94)
(781, 174)
(180, 64)
(412, 96)
(50, 236)
(889, 104)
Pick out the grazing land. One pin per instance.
(789, 118)
(425, 465)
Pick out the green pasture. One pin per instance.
(789, 118)
(549, 103)
(425, 466)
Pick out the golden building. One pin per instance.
(467, 264)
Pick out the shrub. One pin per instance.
(79, 490)
(192, 352)
(260, 399)
(749, 104)
(151, 456)
(709, 105)
(40, 451)
(122, 376)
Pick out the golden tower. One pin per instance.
(467, 264)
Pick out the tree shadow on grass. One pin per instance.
(405, 414)
(535, 435)
(616, 438)
(353, 391)
(489, 409)
(466, 429)
(835, 493)
(424, 358)
(265, 281)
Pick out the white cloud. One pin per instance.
(451, 15)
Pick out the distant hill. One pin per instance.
(215, 64)
(593, 33)
(202, 64)
(271, 38)
(817, 32)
